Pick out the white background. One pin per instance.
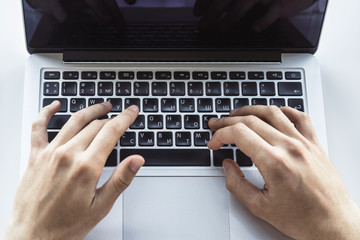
(338, 54)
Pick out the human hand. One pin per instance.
(227, 13)
(57, 197)
(304, 197)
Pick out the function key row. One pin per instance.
(177, 75)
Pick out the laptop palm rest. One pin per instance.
(174, 208)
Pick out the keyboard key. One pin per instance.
(51, 75)
(132, 101)
(126, 75)
(223, 105)
(146, 139)
(128, 139)
(293, 75)
(279, 102)
(173, 121)
(69, 88)
(87, 89)
(144, 75)
(237, 75)
(105, 88)
(249, 88)
(112, 159)
(51, 136)
(218, 75)
(58, 121)
(274, 75)
(159, 88)
(231, 89)
(164, 139)
(139, 123)
(183, 139)
(141, 89)
(259, 101)
(116, 104)
(170, 157)
(267, 89)
(256, 75)
(123, 89)
(51, 88)
(220, 155)
(195, 89)
(70, 75)
(177, 89)
(243, 160)
(89, 75)
(205, 120)
(240, 102)
(93, 101)
(192, 121)
(200, 75)
(107, 75)
(187, 105)
(204, 105)
(168, 105)
(63, 101)
(181, 75)
(213, 88)
(155, 122)
(201, 139)
(77, 104)
(163, 75)
(298, 104)
(290, 89)
(150, 105)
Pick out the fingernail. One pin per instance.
(226, 166)
(135, 165)
(107, 104)
(133, 108)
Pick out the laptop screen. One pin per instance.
(286, 25)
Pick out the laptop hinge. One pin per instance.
(172, 56)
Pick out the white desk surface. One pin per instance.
(338, 54)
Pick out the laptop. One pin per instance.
(181, 65)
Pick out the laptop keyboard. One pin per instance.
(175, 107)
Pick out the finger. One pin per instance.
(104, 142)
(200, 7)
(79, 120)
(269, 18)
(39, 136)
(121, 178)
(211, 15)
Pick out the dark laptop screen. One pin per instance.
(287, 25)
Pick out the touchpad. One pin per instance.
(190, 208)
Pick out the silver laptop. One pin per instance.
(181, 66)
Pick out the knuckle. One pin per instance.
(97, 124)
(250, 120)
(256, 209)
(121, 183)
(84, 168)
(239, 127)
(79, 116)
(231, 184)
(273, 110)
(37, 124)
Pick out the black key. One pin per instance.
(146, 139)
(177, 89)
(173, 121)
(192, 121)
(181, 75)
(201, 139)
(164, 139)
(112, 159)
(243, 160)
(183, 139)
(170, 157)
(204, 105)
(237, 75)
(231, 89)
(132, 101)
(116, 104)
(218, 75)
(206, 119)
(159, 88)
(139, 123)
(155, 122)
(105, 88)
(223, 105)
(279, 102)
(63, 101)
(89, 75)
(240, 102)
(58, 121)
(290, 89)
(256, 75)
(150, 105)
(213, 88)
(69, 88)
(123, 89)
(87, 89)
(293, 75)
(107, 75)
(144, 75)
(267, 89)
(126, 75)
(274, 75)
(93, 101)
(220, 155)
(168, 105)
(200, 75)
(298, 104)
(141, 89)
(51, 88)
(128, 139)
(51, 75)
(77, 104)
(163, 75)
(70, 75)
(186, 105)
(195, 89)
(259, 101)
(51, 136)
(249, 88)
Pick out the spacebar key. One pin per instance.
(170, 157)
